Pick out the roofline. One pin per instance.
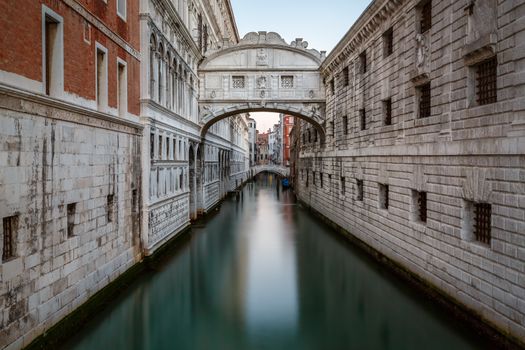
(372, 7)
(234, 22)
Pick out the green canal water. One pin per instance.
(264, 274)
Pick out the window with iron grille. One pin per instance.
(362, 118)
(238, 82)
(482, 222)
(383, 196)
(10, 225)
(486, 76)
(388, 42)
(321, 179)
(343, 185)
(362, 62)
(287, 81)
(346, 77)
(420, 205)
(71, 210)
(425, 16)
(360, 190)
(345, 125)
(332, 87)
(387, 111)
(110, 207)
(424, 100)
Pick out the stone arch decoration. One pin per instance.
(262, 73)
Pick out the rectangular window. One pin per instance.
(387, 112)
(482, 222)
(388, 42)
(345, 125)
(110, 207)
(10, 225)
(346, 77)
(332, 87)
(313, 177)
(122, 89)
(321, 179)
(102, 79)
(160, 147)
(343, 185)
(486, 88)
(121, 8)
(71, 210)
(362, 62)
(425, 16)
(425, 105)
(168, 142)
(360, 190)
(238, 82)
(307, 177)
(53, 52)
(383, 196)
(287, 81)
(362, 118)
(152, 146)
(420, 205)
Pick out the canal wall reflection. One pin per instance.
(264, 274)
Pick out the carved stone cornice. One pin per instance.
(365, 26)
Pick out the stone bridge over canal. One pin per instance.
(275, 169)
(262, 73)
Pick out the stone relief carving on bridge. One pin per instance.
(262, 57)
(261, 82)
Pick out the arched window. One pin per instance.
(168, 79)
(152, 66)
(160, 73)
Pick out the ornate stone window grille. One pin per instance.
(10, 227)
(362, 118)
(360, 190)
(388, 42)
(287, 81)
(383, 196)
(486, 76)
(238, 82)
(425, 100)
(387, 111)
(482, 222)
(425, 16)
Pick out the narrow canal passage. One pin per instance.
(264, 274)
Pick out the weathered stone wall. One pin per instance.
(50, 158)
(462, 153)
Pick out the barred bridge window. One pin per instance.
(486, 74)
(482, 222)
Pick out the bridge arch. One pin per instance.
(262, 73)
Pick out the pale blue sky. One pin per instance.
(321, 23)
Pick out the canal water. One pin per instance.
(262, 273)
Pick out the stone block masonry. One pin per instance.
(69, 181)
(424, 157)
